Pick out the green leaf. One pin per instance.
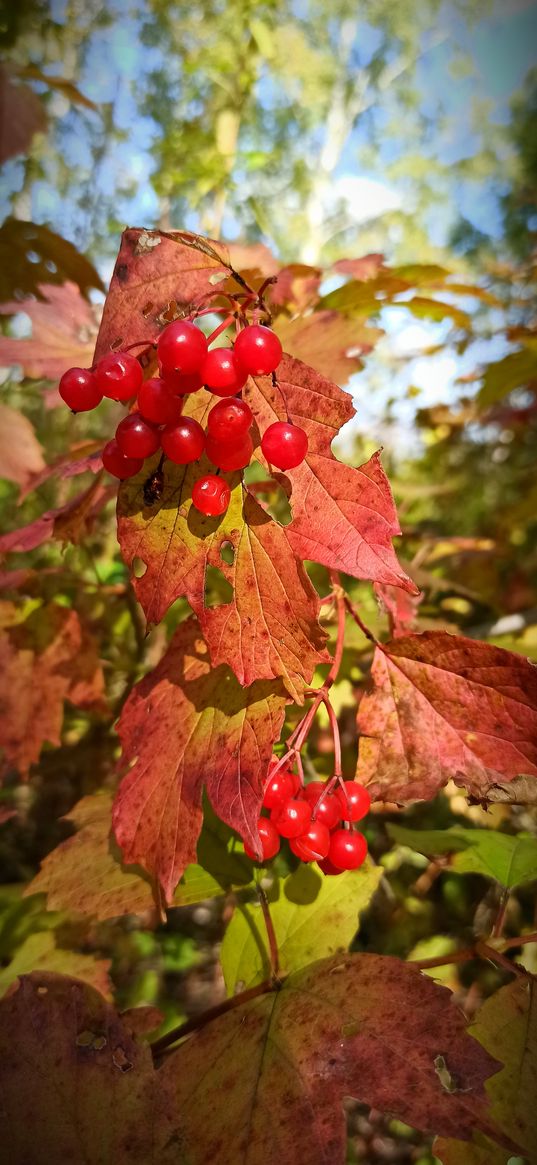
(220, 866)
(313, 917)
(435, 309)
(511, 860)
(40, 953)
(514, 371)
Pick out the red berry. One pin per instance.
(119, 375)
(181, 347)
(79, 389)
(184, 441)
(228, 457)
(292, 818)
(157, 403)
(348, 850)
(229, 420)
(222, 373)
(211, 495)
(313, 845)
(269, 838)
(354, 801)
(258, 349)
(329, 809)
(279, 789)
(328, 868)
(284, 445)
(136, 437)
(116, 462)
(181, 383)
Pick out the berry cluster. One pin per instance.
(186, 364)
(315, 819)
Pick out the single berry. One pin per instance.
(292, 818)
(328, 810)
(119, 465)
(181, 383)
(79, 389)
(119, 375)
(279, 789)
(136, 437)
(284, 445)
(328, 867)
(183, 442)
(348, 850)
(211, 495)
(313, 845)
(228, 457)
(222, 373)
(258, 349)
(354, 801)
(229, 420)
(181, 347)
(269, 838)
(157, 403)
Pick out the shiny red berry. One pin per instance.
(229, 420)
(119, 375)
(119, 465)
(157, 403)
(183, 442)
(230, 457)
(313, 845)
(328, 810)
(181, 383)
(222, 373)
(292, 818)
(181, 347)
(269, 838)
(348, 850)
(136, 437)
(79, 389)
(354, 801)
(279, 789)
(328, 868)
(284, 445)
(258, 349)
(211, 495)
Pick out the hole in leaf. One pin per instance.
(147, 309)
(227, 553)
(139, 567)
(33, 257)
(117, 343)
(218, 592)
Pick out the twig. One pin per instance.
(199, 1021)
(500, 916)
(271, 935)
(365, 630)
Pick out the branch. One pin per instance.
(198, 1021)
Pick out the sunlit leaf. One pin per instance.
(511, 860)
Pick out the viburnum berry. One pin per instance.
(119, 375)
(181, 347)
(184, 441)
(229, 457)
(229, 420)
(258, 349)
(354, 801)
(222, 373)
(210, 495)
(157, 403)
(292, 818)
(328, 810)
(269, 838)
(313, 845)
(328, 867)
(284, 445)
(136, 437)
(279, 789)
(79, 389)
(181, 383)
(118, 464)
(348, 850)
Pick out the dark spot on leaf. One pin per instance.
(122, 272)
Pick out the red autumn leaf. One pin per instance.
(69, 523)
(63, 333)
(445, 707)
(344, 518)
(23, 115)
(20, 451)
(153, 272)
(366, 1026)
(332, 343)
(364, 269)
(185, 725)
(76, 1086)
(81, 458)
(401, 608)
(253, 257)
(296, 289)
(270, 628)
(46, 657)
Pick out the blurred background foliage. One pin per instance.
(319, 132)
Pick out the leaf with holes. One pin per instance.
(185, 725)
(32, 255)
(63, 333)
(444, 707)
(511, 860)
(343, 518)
